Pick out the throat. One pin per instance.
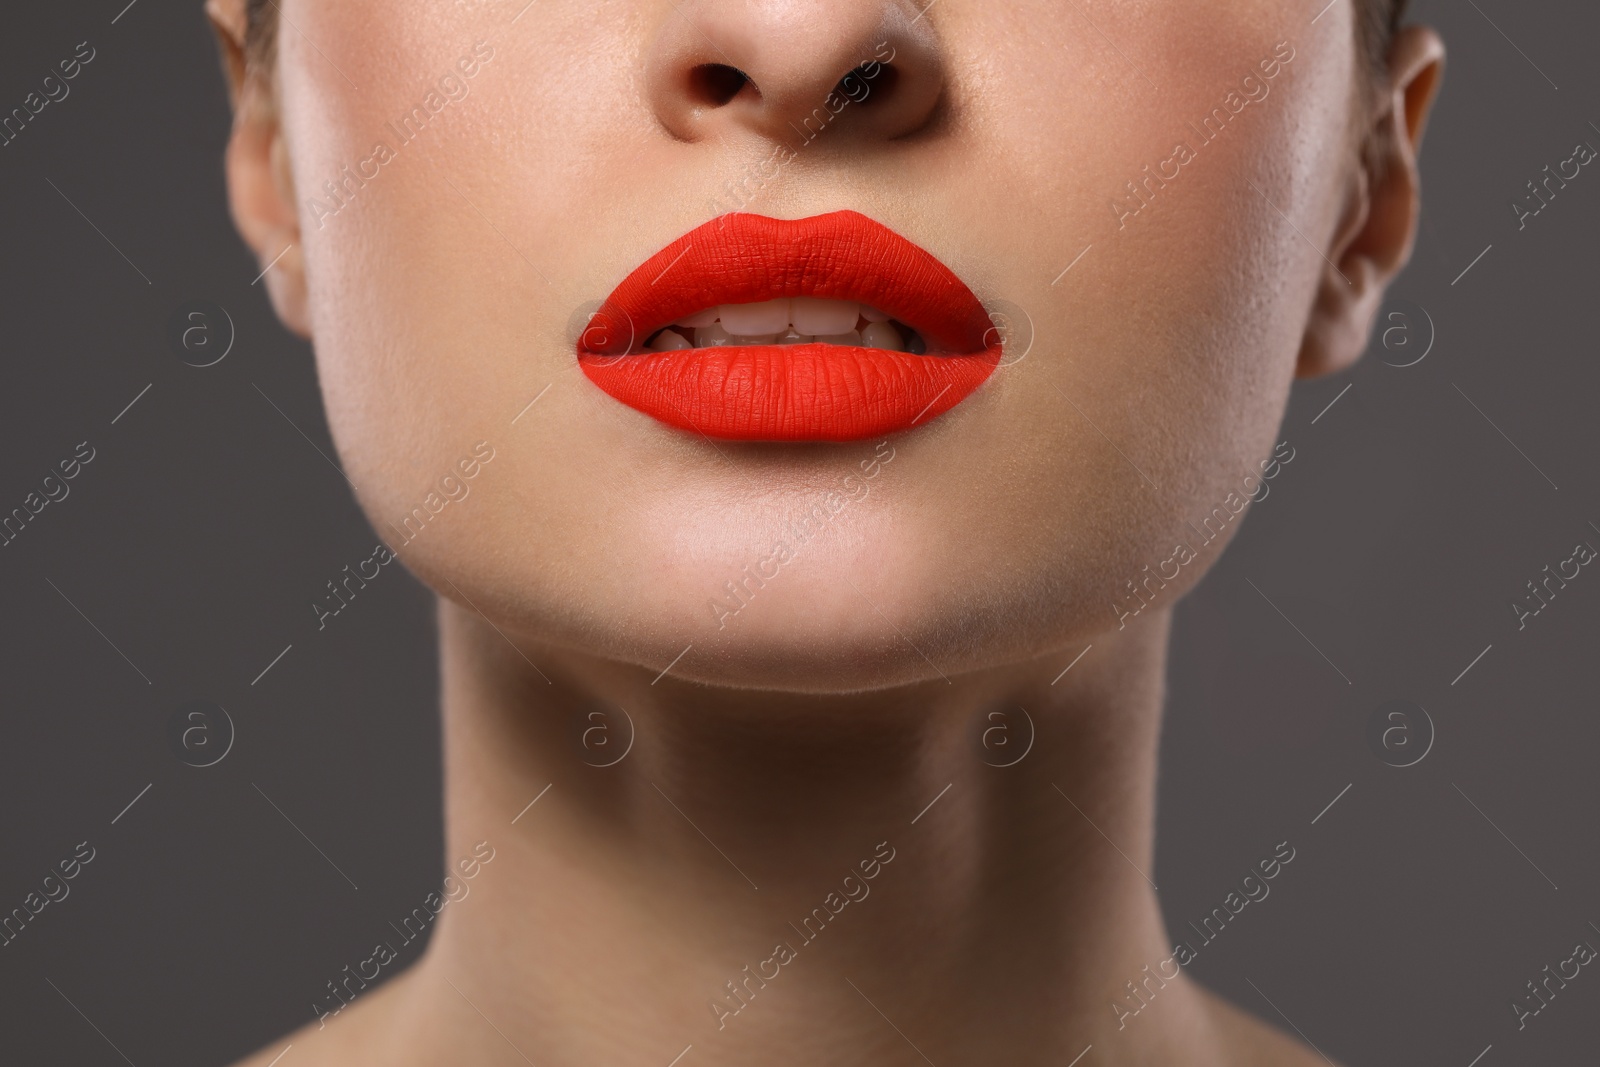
(790, 857)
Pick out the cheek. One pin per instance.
(442, 277)
(1162, 360)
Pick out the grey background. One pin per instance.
(1395, 542)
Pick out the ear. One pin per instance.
(260, 186)
(1379, 225)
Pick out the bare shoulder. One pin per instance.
(368, 1031)
(1255, 1043)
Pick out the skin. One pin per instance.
(825, 713)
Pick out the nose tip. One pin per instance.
(790, 70)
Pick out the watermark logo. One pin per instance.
(607, 737)
(1012, 327)
(1407, 333)
(1400, 733)
(200, 733)
(200, 333)
(612, 333)
(1004, 738)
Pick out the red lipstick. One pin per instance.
(809, 391)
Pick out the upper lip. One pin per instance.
(743, 258)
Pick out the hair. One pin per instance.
(260, 35)
(1377, 22)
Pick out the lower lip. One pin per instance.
(805, 392)
(802, 392)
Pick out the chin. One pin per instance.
(825, 629)
(739, 599)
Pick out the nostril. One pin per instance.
(715, 84)
(775, 71)
(868, 83)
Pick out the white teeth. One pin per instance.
(807, 314)
(815, 316)
(703, 318)
(882, 335)
(796, 321)
(752, 320)
(713, 336)
(669, 341)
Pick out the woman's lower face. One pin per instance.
(580, 388)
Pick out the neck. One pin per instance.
(751, 863)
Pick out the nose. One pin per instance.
(794, 70)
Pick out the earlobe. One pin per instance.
(260, 181)
(1378, 227)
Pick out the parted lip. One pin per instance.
(800, 392)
